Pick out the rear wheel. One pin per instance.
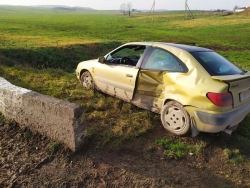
(175, 118)
(87, 80)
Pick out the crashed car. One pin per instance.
(193, 88)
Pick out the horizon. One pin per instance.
(54, 5)
(136, 4)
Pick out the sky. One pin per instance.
(137, 4)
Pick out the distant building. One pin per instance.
(240, 9)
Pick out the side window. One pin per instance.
(127, 55)
(160, 59)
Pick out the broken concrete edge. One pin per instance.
(56, 119)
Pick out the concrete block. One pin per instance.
(57, 119)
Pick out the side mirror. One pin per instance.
(101, 59)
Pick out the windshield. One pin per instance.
(215, 64)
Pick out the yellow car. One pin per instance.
(193, 88)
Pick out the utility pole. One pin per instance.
(188, 12)
(152, 11)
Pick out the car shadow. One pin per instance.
(62, 57)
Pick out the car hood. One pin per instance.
(89, 61)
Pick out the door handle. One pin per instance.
(129, 75)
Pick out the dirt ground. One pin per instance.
(31, 160)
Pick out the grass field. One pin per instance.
(40, 49)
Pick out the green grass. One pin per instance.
(234, 156)
(110, 121)
(53, 146)
(41, 48)
(61, 39)
(176, 148)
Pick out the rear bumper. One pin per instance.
(219, 122)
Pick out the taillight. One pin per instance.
(220, 99)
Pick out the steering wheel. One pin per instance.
(126, 61)
(113, 61)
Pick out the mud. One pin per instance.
(31, 160)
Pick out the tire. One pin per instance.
(175, 118)
(87, 80)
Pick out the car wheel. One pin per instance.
(175, 118)
(87, 80)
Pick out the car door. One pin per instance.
(117, 76)
(154, 78)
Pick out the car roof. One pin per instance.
(185, 47)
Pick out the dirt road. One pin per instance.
(31, 160)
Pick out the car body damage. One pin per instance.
(205, 91)
(149, 92)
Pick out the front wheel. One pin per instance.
(87, 80)
(175, 118)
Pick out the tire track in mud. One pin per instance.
(27, 161)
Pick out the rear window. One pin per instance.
(215, 64)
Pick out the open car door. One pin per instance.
(117, 76)
(153, 81)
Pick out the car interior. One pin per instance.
(127, 55)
